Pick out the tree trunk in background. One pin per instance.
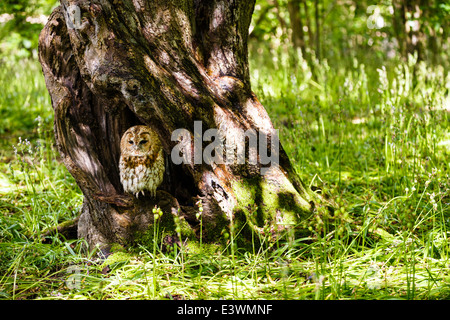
(317, 18)
(414, 33)
(408, 28)
(298, 39)
(399, 26)
(308, 24)
(431, 40)
(165, 64)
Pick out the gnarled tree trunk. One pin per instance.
(110, 65)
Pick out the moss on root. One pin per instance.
(264, 211)
(117, 259)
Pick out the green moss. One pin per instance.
(66, 224)
(116, 259)
(62, 226)
(205, 248)
(116, 247)
(262, 208)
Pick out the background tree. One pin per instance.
(342, 30)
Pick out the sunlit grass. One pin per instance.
(23, 98)
(373, 139)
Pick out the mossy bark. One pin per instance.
(165, 64)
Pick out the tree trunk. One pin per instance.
(297, 36)
(399, 26)
(317, 19)
(308, 24)
(109, 65)
(408, 28)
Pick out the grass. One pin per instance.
(374, 138)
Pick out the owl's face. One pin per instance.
(139, 141)
(141, 162)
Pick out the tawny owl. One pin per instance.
(141, 162)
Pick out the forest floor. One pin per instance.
(373, 138)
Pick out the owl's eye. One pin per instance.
(143, 142)
(130, 142)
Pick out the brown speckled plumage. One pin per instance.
(141, 162)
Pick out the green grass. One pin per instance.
(374, 138)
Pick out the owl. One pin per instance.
(141, 163)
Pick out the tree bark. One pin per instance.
(410, 33)
(317, 20)
(308, 24)
(399, 26)
(165, 64)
